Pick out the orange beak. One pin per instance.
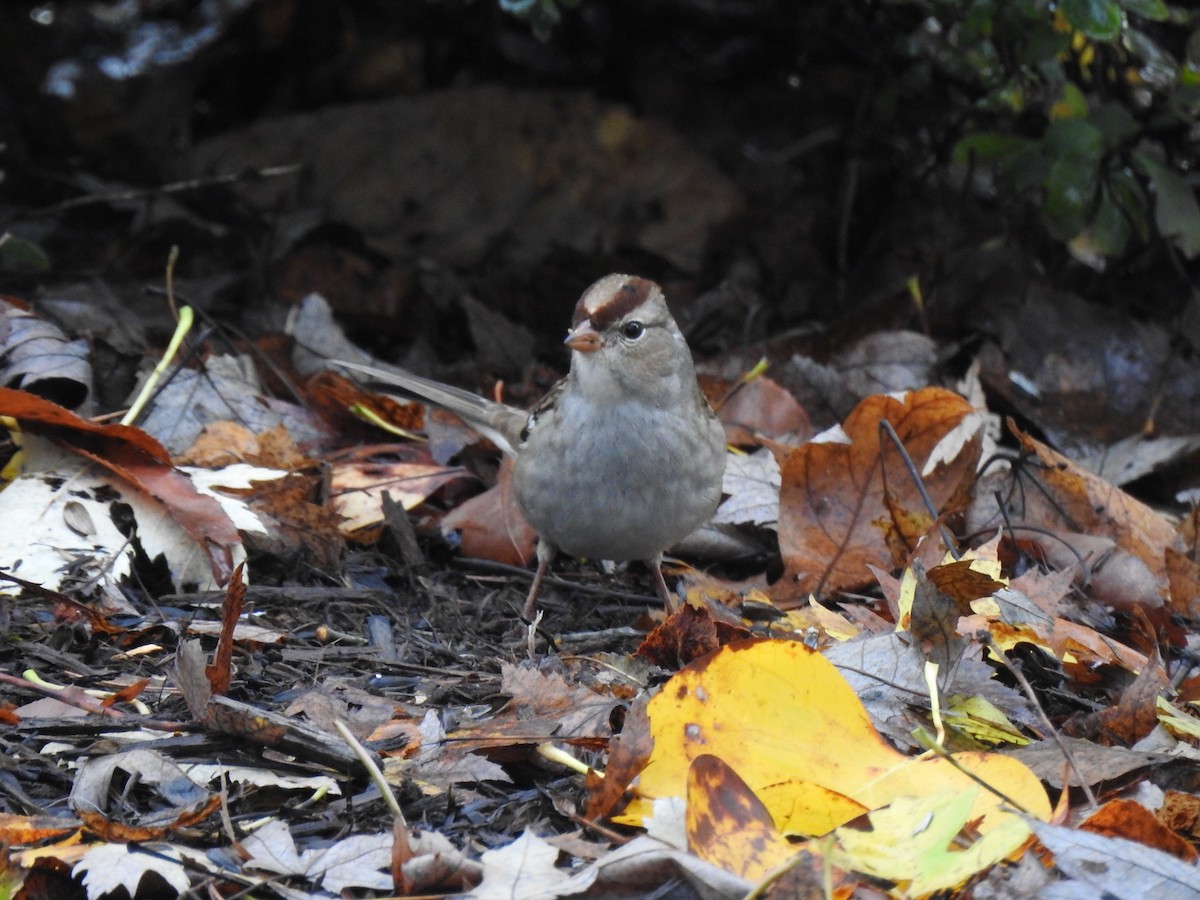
(583, 337)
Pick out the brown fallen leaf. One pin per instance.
(582, 714)
(833, 496)
(339, 401)
(220, 670)
(757, 408)
(1106, 572)
(361, 476)
(16, 829)
(685, 635)
(1133, 716)
(1067, 641)
(1129, 819)
(491, 526)
(627, 755)
(1094, 763)
(1181, 813)
(1183, 580)
(1049, 491)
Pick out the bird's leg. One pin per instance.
(670, 601)
(545, 553)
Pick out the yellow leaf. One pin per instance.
(1176, 721)
(793, 730)
(727, 825)
(981, 720)
(911, 842)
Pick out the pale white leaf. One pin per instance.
(360, 861)
(204, 773)
(523, 869)
(272, 849)
(1117, 867)
(110, 867)
(668, 822)
(752, 482)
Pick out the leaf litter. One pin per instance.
(868, 691)
(722, 750)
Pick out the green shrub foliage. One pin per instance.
(1087, 108)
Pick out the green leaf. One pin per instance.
(1159, 70)
(1154, 10)
(990, 147)
(1070, 190)
(1071, 104)
(1074, 148)
(1116, 123)
(1176, 212)
(1109, 229)
(24, 255)
(1075, 138)
(1129, 193)
(1101, 20)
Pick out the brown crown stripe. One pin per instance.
(632, 293)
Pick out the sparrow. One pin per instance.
(624, 457)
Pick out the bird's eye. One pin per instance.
(632, 330)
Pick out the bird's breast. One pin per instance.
(624, 482)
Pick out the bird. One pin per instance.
(623, 457)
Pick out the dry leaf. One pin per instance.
(833, 494)
(491, 526)
(782, 717)
(1129, 819)
(727, 825)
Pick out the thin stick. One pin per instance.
(948, 539)
(1046, 723)
(373, 770)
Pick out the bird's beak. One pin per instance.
(583, 337)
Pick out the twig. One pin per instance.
(182, 327)
(176, 187)
(951, 545)
(373, 770)
(1046, 723)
